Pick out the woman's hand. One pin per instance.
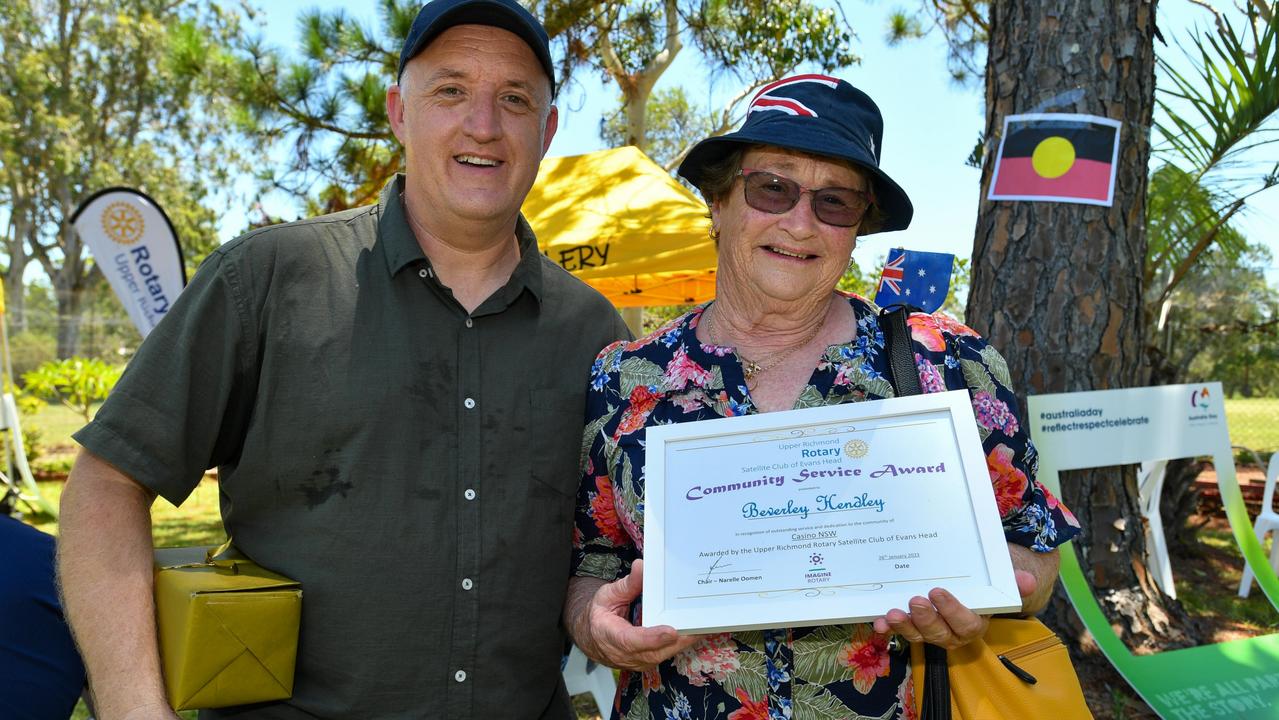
(942, 620)
(597, 616)
(939, 619)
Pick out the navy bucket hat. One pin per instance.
(439, 15)
(816, 114)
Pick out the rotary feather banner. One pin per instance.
(136, 247)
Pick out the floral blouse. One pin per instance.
(835, 671)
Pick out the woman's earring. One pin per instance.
(714, 233)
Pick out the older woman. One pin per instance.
(789, 193)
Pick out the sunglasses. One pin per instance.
(770, 193)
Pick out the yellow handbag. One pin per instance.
(228, 628)
(1019, 669)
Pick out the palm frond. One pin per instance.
(1214, 114)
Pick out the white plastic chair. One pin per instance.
(10, 423)
(1267, 522)
(1150, 485)
(585, 676)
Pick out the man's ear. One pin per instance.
(552, 124)
(395, 110)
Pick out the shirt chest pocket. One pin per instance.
(531, 490)
(555, 438)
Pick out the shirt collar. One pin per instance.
(399, 244)
(400, 247)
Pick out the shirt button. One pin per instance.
(422, 273)
(469, 403)
(460, 676)
(467, 584)
(469, 323)
(469, 494)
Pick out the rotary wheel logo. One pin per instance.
(815, 558)
(123, 223)
(856, 448)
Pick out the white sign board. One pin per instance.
(1077, 431)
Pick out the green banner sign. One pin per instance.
(1077, 431)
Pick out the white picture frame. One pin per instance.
(727, 547)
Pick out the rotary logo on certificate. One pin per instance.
(820, 516)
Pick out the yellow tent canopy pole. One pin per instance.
(618, 221)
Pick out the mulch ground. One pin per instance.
(1109, 696)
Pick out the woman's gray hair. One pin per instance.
(719, 175)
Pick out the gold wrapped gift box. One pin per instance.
(228, 628)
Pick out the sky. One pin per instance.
(930, 124)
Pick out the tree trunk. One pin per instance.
(636, 109)
(1057, 286)
(69, 281)
(15, 306)
(70, 310)
(14, 290)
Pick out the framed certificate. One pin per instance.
(820, 516)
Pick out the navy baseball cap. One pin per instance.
(439, 15)
(816, 114)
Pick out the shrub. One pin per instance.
(27, 350)
(75, 382)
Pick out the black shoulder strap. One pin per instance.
(905, 379)
(935, 704)
(901, 356)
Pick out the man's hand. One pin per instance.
(942, 620)
(596, 615)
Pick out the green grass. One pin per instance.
(197, 522)
(1203, 597)
(56, 423)
(52, 427)
(1254, 423)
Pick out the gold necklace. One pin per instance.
(751, 368)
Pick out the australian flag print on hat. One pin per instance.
(764, 100)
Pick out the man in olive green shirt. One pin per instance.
(393, 396)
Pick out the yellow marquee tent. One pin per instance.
(618, 221)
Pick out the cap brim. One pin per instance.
(491, 14)
(889, 196)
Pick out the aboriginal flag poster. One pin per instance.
(1052, 157)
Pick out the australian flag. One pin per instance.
(914, 277)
